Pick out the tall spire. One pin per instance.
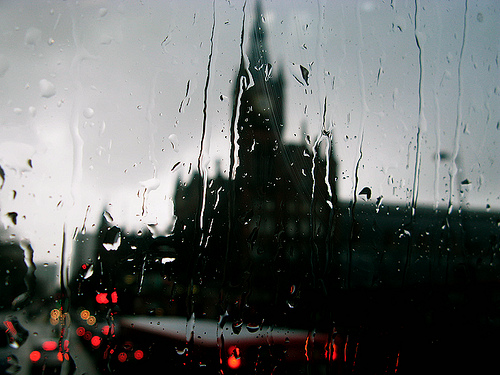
(258, 46)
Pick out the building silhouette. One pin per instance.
(265, 229)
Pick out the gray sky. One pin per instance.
(94, 93)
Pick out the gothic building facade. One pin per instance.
(264, 231)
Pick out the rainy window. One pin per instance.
(259, 186)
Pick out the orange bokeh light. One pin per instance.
(233, 362)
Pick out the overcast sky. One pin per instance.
(106, 97)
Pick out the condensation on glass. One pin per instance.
(249, 186)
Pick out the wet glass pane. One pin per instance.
(249, 186)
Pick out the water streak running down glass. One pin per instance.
(249, 186)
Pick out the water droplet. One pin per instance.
(151, 184)
(47, 88)
(174, 141)
(108, 217)
(252, 328)
(480, 17)
(89, 272)
(103, 12)
(305, 74)
(50, 41)
(112, 239)
(88, 112)
(367, 192)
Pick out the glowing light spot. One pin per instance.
(60, 357)
(114, 297)
(105, 330)
(55, 314)
(85, 314)
(234, 360)
(49, 346)
(80, 331)
(91, 320)
(122, 357)
(87, 336)
(35, 356)
(102, 298)
(138, 354)
(96, 341)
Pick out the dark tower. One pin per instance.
(260, 123)
(284, 195)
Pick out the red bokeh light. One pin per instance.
(80, 331)
(49, 345)
(122, 357)
(102, 298)
(234, 360)
(35, 356)
(114, 297)
(138, 354)
(105, 330)
(96, 341)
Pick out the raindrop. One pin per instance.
(175, 167)
(88, 112)
(108, 217)
(174, 141)
(13, 217)
(480, 17)
(268, 71)
(51, 41)
(112, 239)
(89, 272)
(305, 74)
(367, 192)
(103, 12)
(151, 184)
(252, 328)
(237, 326)
(47, 88)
